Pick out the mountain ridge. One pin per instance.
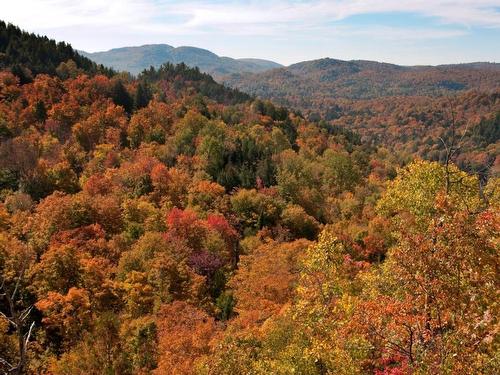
(330, 79)
(135, 59)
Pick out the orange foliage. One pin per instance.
(184, 334)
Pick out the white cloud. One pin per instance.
(43, 14)
(216, 13)
(196, 16)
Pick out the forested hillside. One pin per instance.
(169, 225)
(310, 82)
(29, 54)
(403, 108)
(412, 126)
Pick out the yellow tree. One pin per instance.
(265, 281)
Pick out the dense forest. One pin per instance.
(412, 126)
(402, 108)
(312, 81)
(166, 224)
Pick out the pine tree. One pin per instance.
(121, 97)
(142, 96)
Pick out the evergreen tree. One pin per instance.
(120, 96)
(27, 55)
(40, 111)
(142, 96)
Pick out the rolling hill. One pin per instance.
(404, 108)
(312, 84)
(136, 59)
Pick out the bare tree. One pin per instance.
(452, 146)
(19, 319)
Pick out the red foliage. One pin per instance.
(186, 225)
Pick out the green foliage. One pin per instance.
(255, 209)
(299, 222)
(417, 186)
(181, 74)
(121, 97)
(142, 96)
(225, 304)
(487, 131)
(340, 172)
(188, 130)
(8, 179)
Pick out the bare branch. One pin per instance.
(18, 281)
(18, 319)
(8, 319)
(444, 144)
(28, 335)
(25, 313)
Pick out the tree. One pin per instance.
(68, 69)
(142, 96)
(254, 209)
(150, 124)
(443, 256)
(449, 273)
(40, 111)
(121, 97)
(207, 196)
(100, 127)
(340, 172)
(15, 260)
(100, 351)
(302, 320)
(155, 271)
(299, 222)
(66, 316)
(416, 187)
(213, 146)
(184, 335)
(265, 280)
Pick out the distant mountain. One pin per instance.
(132, 59)
(136, 59)
(312, 84)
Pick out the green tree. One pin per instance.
(121, 96)
(142, 96)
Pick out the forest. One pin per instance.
(166, 224)
(403, 108)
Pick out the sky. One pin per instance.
(417, 32)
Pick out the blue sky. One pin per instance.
(287, 31)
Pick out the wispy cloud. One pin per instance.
(463, 12)
(270, 15)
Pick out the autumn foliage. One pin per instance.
(167, 225)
